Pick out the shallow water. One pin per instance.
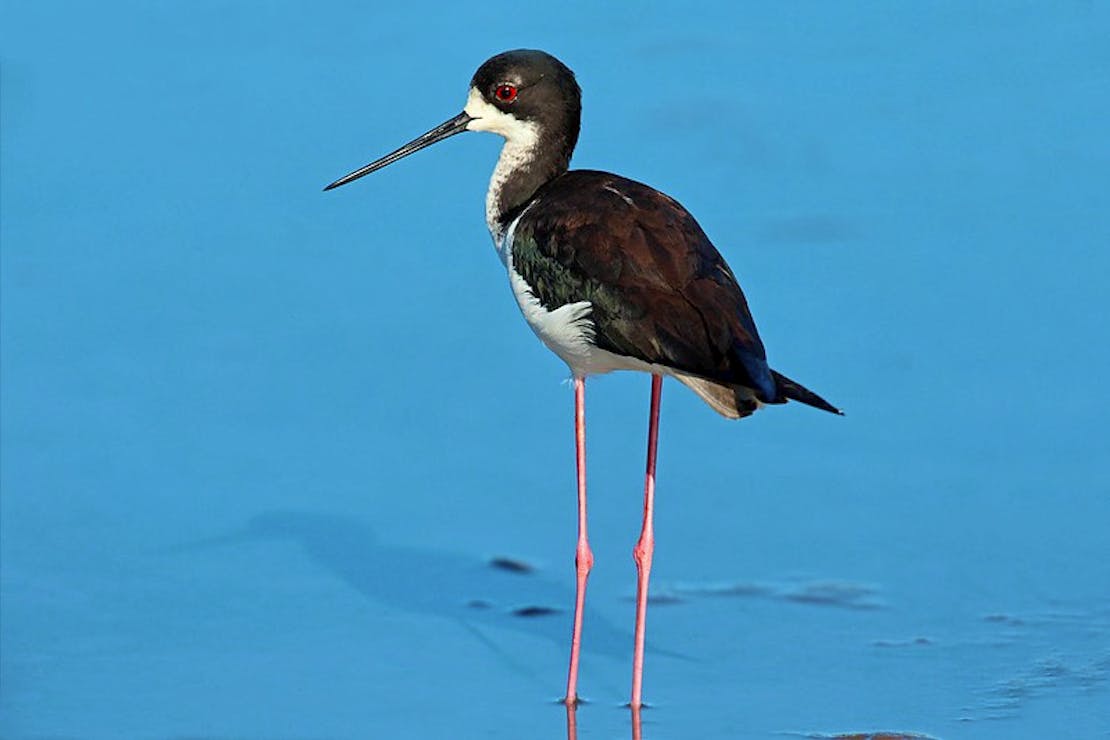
(285, 464)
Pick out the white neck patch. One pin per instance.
(519, 149)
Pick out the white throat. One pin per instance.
(520, 137)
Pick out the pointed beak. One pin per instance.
(444, 130)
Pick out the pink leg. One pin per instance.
(584, 559)
(645, 546)
(572, 722)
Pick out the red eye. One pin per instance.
(505, 93)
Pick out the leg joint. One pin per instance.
(584, 558)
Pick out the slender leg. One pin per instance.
(572, 722)
(584, 559)
(645, 546)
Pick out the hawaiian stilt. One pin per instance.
(611, 275)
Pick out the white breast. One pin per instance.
(568, 330)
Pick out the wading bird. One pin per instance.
(611, 275)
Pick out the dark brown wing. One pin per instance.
(660, 290)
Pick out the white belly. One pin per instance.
(568, 330)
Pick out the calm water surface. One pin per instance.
(262, 446)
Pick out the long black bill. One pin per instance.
(444, 130)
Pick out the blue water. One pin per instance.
(260, 443)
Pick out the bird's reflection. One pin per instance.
(637, 733)
(572, 723)
(476, 592)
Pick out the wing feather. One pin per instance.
(661, 292)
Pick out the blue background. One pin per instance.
(260, 442)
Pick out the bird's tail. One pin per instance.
(789, 390)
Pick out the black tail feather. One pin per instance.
(789, 390)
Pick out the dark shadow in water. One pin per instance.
(863, 736)
(1075, 663)
(831, 593)
(501, 593)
